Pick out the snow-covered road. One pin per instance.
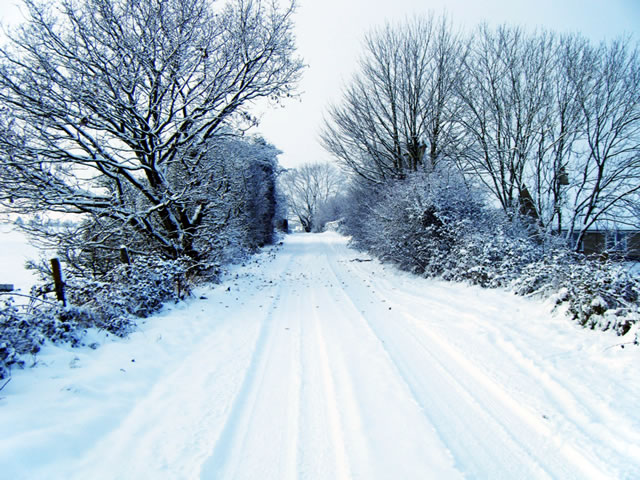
(314, 362)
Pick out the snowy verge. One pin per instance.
(66, 397)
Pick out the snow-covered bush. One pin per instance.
(137, 290)
(357, 216)
(111, 303)
(238, 198)
(417, 221)
(17, 337)
(433, 224)
(494, 251)
(598, 293)
(24, 330)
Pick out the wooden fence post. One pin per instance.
(57, 280)
(124, 256)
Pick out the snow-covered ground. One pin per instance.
(312, 361)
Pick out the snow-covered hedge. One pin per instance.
(598, 293)
(137, 290)
(111, 303)
(434, 224)
(494, 256)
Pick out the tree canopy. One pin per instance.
(548, 124)
(111, 108)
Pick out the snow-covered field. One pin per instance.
(313, 362)
(14, 253)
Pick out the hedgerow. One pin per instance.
(436, 225)
(111, 303)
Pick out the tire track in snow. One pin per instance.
(409, 380)
(336, 433)
(226, 457)
(576, 414)
(362, 361)
(486, 400)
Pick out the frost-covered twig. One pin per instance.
(14, 294)
(621, 345)
(5, 384)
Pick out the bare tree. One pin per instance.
(308, 187)
(607, 169)
(505, 95)
(399, 108)
(553, 126)
(109, 107)
(561, 129)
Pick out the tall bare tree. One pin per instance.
(505, 95)
(552, 125)
(399, 108)
(561, 128)
(607, 169)
(107, 102)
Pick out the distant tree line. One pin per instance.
(549, 124)
(313, 192)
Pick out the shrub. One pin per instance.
(139, 290)
(434, 224)
(17, 337)
(599, 294)
(111, 304)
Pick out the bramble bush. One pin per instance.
(435, 225)
(138, 290)
(111, 303)
(598, 293)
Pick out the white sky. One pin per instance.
(330, 33)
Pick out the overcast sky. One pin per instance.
(330, 33)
